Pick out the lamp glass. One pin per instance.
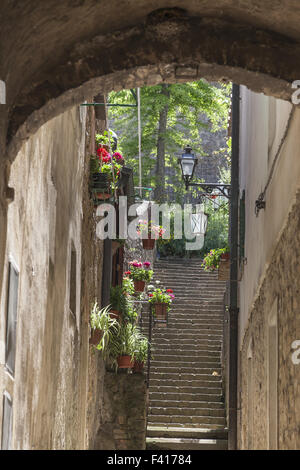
(199, 223)
(187, 165)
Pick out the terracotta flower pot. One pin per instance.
(103, 196)
(148, 243)
(161, 311)
(124, 362)
(138, 367)
(96, 337)
(115, 315)
(139, 286)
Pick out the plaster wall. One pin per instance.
(268, 416)
(263, 124)
(44, 226)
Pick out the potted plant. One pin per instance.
(140, 353)
(140, 273)
(161, 299)
(218, 259)
(122, 305)
(105, 169)
(120, 348)
(149, 233)
(102, 326)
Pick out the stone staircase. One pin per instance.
(186, 403)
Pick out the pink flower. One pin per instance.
(117, 156)
(147, 264)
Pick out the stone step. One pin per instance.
(166, 410)
(186, 369)
(175, 443)
(193, 347)
(199, 420)
(188, 404)
(164, 388)
(197, 366)
(195, 332)
(185, 396)
(214, 427)
(179, 438)
(186, 334)
(185, 359)
(216, 387)
(162, 351)
(197, 433)
(205, 378)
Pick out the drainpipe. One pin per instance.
(233, 288)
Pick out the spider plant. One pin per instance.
(100, 319)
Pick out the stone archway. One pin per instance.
(166, 46)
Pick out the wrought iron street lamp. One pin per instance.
(188, 162)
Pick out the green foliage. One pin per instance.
(105, 138)
(141, 348)
(128, 287)
(122, 302)
(211, 261)
(217, 227)
(161, 295)
(100, 319)
(187, 104)
(140, 273)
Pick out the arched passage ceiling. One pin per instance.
(57, 53)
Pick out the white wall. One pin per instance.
(263, 124)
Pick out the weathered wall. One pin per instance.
(123, 413)
(281, 285)
(263, 125)
(49, 387)
(269, 279)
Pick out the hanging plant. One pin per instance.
(105, 169)
(211, 260)
(161, 299)
(140, 273)
(149, 232)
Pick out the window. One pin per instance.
(11, 318)
(6, 422)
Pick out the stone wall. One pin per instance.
(50, 218)
(280, 288)
(123, 412)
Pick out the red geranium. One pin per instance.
(101, 152)
(169, 291)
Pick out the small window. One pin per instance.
(6, 422)
(73, 290)
(11, 318)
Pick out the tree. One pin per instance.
(171, 116)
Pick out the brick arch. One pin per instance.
(168, 46)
